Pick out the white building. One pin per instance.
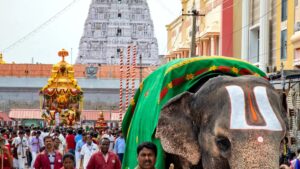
(113, 25)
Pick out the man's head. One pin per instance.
(56, 143)
(298, 151)
(48, 140)
(121, 133)
(57, 132)
(84, 137)
(14, 133)
(21, 127)
(38, 133)
(109, 131)
(68, 161)
(27, 132)
(21, 133)
(70, 131)
(104, 145)
(79, 131)
(147, 152)
(3, 131)
(89, 139)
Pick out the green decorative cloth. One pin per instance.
(167, 81)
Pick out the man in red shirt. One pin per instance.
(49, 158)
(104, 159)
(71, 144)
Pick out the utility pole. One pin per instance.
(194, 14)
(141, 71)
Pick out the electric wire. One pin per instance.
(40, 27)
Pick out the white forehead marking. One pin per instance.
(238, 112)
(265, 109)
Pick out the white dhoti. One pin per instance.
(77, 158)
(21, 162)
(15, 163)
(34, 154)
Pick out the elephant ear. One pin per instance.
(175, 129)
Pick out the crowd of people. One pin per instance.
(288, 159)
(56, 148)
(68, 148)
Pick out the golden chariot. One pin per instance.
(62, 98)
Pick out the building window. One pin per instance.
(119, 1)
(118, 50)
(254, 45)
(119, 15)
(119, 32)
(283, 44)
(283, 10)
(97, 26)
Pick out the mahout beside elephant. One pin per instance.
(229, 123)
(206, 113)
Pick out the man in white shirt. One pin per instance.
(87, 151)
(21, 144)
(42, 135)
(28, 150)
(61, 138)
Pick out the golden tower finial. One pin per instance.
(63, 53)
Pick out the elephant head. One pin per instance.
(229, 123)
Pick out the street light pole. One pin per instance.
(141, 71)
(192, 47)
(111, 66)
(194, 14)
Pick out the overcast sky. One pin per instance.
(19, 18)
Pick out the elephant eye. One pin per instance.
(223, 143)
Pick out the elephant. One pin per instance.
(227, 123)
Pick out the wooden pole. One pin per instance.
(127, 76)
(133, 72)
(121, 88)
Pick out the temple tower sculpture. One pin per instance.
(113, 25)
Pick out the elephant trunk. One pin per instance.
(255, 155)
